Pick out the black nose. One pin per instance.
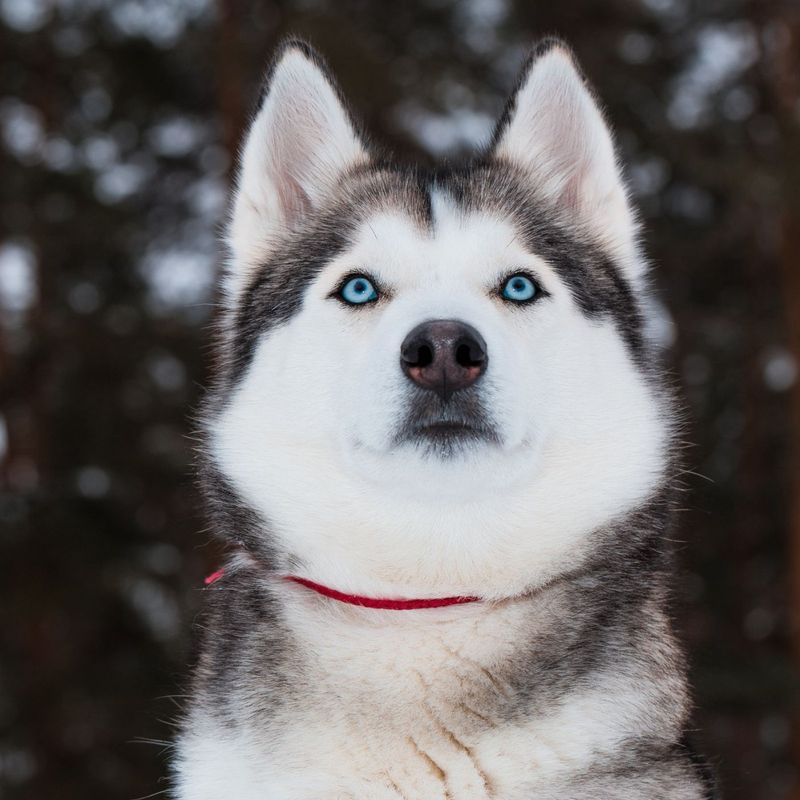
(444, 356)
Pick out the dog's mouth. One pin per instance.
(444, 429)
(451, 431)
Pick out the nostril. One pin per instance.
(424, 355)
(469, 354)
(419, 353)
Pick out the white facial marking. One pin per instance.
(309, 435)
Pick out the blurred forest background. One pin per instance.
(119, 124)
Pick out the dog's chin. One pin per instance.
(440, 461)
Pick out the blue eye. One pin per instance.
(519, 289)
(358, 291)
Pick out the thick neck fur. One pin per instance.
(461, 703)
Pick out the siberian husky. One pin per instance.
(442, 448)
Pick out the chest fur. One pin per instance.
(385, 708)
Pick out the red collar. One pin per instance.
(387, 604)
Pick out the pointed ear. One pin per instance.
(554, 130)
(299, 144)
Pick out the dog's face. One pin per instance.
(437, 382)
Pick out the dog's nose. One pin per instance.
(444, 356)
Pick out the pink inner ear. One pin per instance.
(573, 194)
(559, 134)
(295, 202)
(293, 160)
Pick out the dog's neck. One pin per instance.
(441, 686)
(471, 700)
(441, 650)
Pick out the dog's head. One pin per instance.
(436, 382)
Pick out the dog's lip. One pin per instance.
(446, 426)
(444, 429)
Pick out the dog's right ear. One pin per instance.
(299, 144)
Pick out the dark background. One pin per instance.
(119, 120)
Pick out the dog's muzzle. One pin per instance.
(444, 357)
(444, 360)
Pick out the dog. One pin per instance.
(442, 447)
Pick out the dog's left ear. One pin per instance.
(554, 130)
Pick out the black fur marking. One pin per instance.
(246, 655)
(603, 618)
(278, 290)
(645, 767)
(236, 522)
(594, 280)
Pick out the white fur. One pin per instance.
(306, 436)
(373, 726)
